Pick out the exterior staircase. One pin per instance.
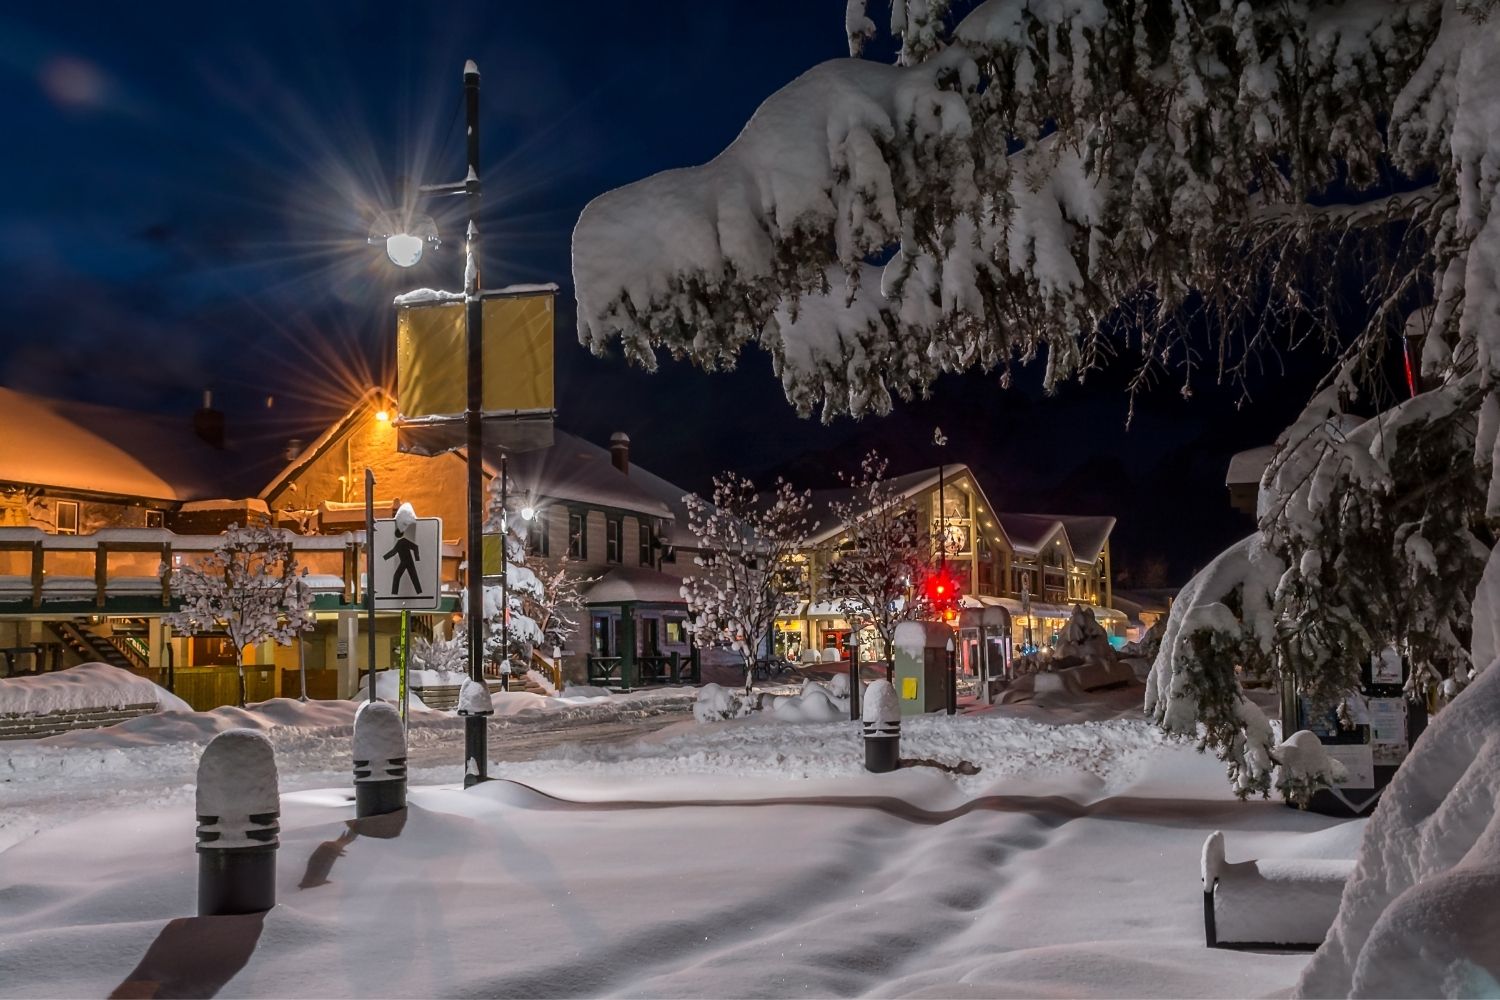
(91, 647)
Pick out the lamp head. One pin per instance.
(405, 236)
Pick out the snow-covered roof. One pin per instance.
(90, 448)
(1086, 533)
(577, 470)
(677, 533)
(1246, 467)
(634, 583)
(1029, 533)
(570, 469)
(903, 486)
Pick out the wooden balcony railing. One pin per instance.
(119, 567)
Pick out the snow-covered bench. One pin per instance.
(1269, 902)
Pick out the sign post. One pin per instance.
(407, 554)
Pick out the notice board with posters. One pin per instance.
(432, 370)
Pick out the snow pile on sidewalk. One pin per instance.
(387, 688)
(85, 687)
(814, 703)
(759, 745)
(200, 727)
(1419, 914)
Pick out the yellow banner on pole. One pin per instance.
(432, 371)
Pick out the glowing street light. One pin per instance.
(404, 235)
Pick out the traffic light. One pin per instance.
(943, 594)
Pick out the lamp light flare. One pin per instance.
(384, 416)
(528, 513)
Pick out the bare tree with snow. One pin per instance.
(249, 587)
(876, 568)
(751, 568)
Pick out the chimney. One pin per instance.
(209, 422)
(619, 451)
(293, 448)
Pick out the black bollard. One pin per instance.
(882, 727)
(474, 700)
(238, 804)
(854, 682)
(379, 760)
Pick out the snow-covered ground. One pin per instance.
(742, 858)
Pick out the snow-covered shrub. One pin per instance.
(1303, 766)
(449, 656)
(716, 703)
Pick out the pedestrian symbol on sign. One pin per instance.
(406, 552)
(411, 555)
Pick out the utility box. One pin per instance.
(921, 666)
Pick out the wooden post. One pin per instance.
(101, 573)
(627, 647)
(38, 563)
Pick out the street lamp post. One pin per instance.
(404, 239)
(506, 666)
(476, 731)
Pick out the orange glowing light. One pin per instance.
(383, 416)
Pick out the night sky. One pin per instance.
(188, 189)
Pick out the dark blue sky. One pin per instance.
(188, 188)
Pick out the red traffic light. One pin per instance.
(943, 591)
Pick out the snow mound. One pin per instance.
(282, 714)
(571, 690)
(1418, 916)
(474, 698)
(388, 688)
(88, 686)
(881, 704)
(542, 681)
(815, 703)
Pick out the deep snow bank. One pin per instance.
(90, 685)
(1419, 915)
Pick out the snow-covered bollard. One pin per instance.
(379, 760)
(474, 699)
(882, 727)
(239, 805)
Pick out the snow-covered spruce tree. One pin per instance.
(1371, 537)
(876, 567)
(249, 587)
(512, 611)
(1057, 175)
(750, 570)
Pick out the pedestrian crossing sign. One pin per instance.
(408, 564)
